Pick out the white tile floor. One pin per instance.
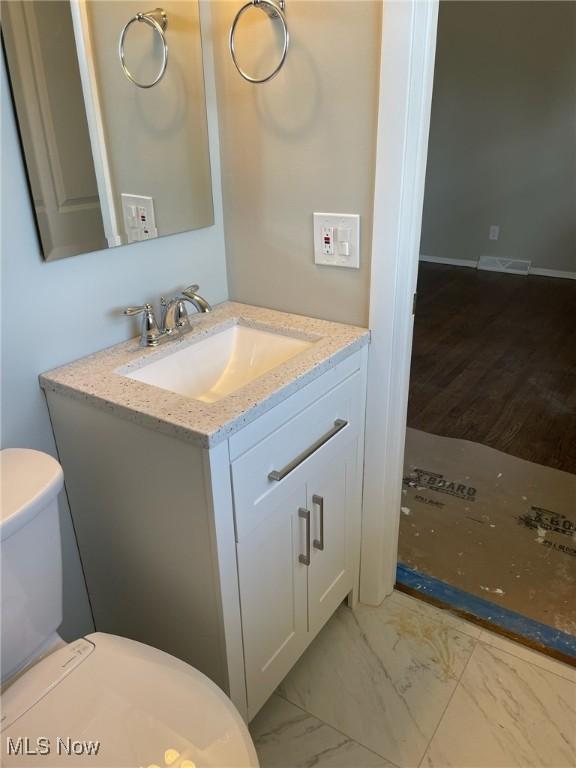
(407, 684)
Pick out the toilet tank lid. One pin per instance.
(29, 481)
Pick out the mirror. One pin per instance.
(110, 162)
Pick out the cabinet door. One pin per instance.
(331, 573)
(273, 596)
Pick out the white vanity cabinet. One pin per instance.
(288, 589)
(298, 536)
(231, 557)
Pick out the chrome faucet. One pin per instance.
(174, 313)
(191, 294)
(175, 320)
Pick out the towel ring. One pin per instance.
(158, 20)
(273, 9)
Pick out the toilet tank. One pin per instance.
(31, 561)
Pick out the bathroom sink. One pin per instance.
(218, 365)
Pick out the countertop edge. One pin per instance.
(189, 434)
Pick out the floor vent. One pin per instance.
(498, 264)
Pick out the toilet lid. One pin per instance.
(123, 704)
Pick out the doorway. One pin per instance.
(488, 504)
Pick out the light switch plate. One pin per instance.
(343, 250)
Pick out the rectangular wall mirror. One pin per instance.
(111, 157)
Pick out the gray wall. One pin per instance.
(303, 142)
(55, 312)
(503, 134)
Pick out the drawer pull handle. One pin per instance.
(319, 501)
(276, 474)
(305, 515)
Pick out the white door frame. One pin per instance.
(94, 117)
(405, 97)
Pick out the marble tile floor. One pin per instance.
(407, 684)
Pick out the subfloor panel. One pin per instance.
(494, 526)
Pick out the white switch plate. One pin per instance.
(139, 219)
(344, 249)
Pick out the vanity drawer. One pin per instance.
(269, 422)
(264, 474)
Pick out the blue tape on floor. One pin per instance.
(476, 606)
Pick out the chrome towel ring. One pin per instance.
(274, 10)
(158, 20)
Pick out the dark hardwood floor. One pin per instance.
(494, 361)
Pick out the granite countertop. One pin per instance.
(98, 378)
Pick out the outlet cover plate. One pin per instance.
(346, 239)
(139, 218)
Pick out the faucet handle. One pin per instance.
(138, 310)
(151, 334)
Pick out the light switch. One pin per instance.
(344, 234)
(337, 239)
(139, 219)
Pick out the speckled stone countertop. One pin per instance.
(98, 378)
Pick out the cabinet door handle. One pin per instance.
(305, 515)
(319, 501)
(280, 474)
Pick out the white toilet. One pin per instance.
(101, 700)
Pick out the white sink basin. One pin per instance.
(220, 364)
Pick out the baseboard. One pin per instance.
(541, 272)
(449, 262)
(537, 271)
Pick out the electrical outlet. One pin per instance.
(494, 232)
(327, 237)
(337, 239)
